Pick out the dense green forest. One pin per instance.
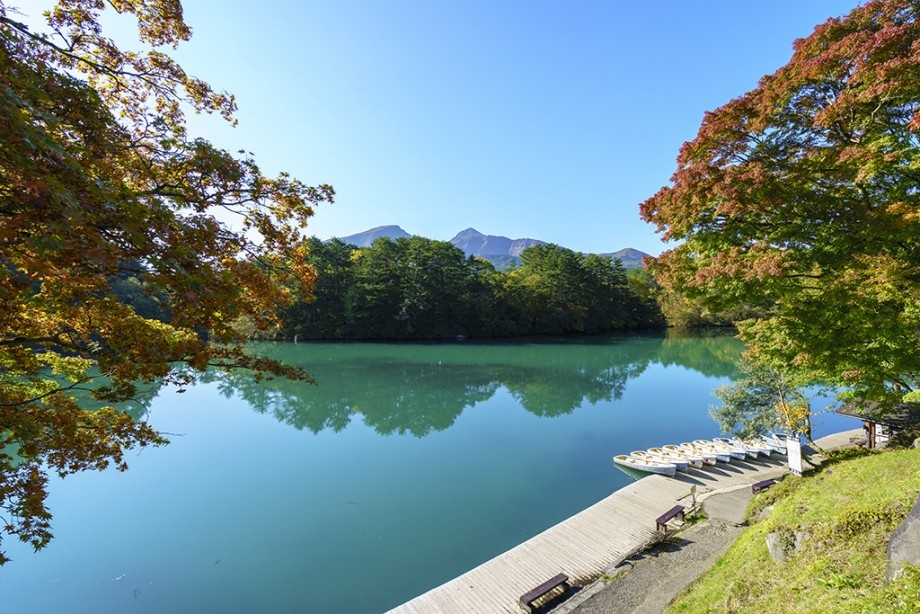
(418, 288)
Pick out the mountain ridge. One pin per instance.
(497, 249)
(475, 243)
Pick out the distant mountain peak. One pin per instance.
(474, 243)
(469, 232)
(631, 258)
(500, 250)
(364, 239)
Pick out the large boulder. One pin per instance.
(904, 547)
(778, 545)
(783, 544)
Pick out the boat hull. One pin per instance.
(733, 453)
(738, 446)
(721, 455)
(654, 457)
(638, 464)
(761, 448)
(779, 441)
(775, 445)
(709, 458)
(677, 457)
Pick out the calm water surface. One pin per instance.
(407, 466)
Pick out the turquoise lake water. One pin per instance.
(405, 467)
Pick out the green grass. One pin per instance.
(847, 512)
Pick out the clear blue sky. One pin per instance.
(525, 118)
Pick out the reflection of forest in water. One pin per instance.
(417, 388)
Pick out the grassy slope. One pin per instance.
(848, 511)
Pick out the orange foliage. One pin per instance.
(99, 182)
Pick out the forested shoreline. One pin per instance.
(419, 288)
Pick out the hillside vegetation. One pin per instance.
(845, 514)
(417, 288)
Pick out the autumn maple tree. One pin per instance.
(100, 182)
(800, 200)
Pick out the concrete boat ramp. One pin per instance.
(586, 544)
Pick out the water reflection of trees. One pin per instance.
(572, 375)
(136, 407)
(713, 353)
(422, 388)
(391, 397)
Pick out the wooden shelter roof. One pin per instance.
(901, 417)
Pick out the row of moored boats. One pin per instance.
(669, 459)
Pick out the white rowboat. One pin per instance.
(648, 466)
(780, 438)
(680, 463)
(673, 456)
(762, 448)
(773, 444)
(735, 453)
(709, 453)
(690, 452)
(738, 445)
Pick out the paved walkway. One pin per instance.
(648, 582)
(584, 546)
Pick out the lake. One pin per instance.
(407, 465)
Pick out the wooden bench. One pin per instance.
(758, 486)
(661, 523)
(529, 597)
